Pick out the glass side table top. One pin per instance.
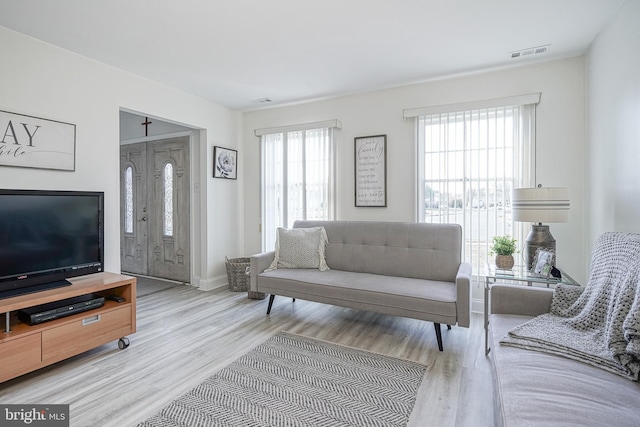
(518, 273)
(521, 274)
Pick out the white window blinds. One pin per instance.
(468, 163)
(298, 177)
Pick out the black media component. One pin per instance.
(57, 309)
(47, 237)
(115, 298)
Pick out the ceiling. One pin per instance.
(235, 52)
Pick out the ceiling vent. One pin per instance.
(262, 101)
(529, 51)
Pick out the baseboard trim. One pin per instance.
(477, 305)
(213, 283)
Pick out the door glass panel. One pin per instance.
(168, 199)
(128, 197)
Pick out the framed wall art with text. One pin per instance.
(33, 142)
(371, 171)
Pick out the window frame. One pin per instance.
(526, 105)
(329, 126)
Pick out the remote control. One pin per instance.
(115, 298)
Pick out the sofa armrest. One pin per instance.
(522, 300)
(463, 294)
(259, 263)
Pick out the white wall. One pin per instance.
(42, 80)
(613, 95)
(560, 136)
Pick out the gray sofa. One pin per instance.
(403, 269)
(540, 389)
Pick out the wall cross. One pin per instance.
(146, 124)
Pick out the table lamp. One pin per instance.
(538, 205)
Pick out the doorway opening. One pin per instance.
(156, 177)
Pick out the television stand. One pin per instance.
(25, 348)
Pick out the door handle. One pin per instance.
(144, 218)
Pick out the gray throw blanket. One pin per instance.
(600, 323)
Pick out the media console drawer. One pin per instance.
(95, 328)
(19, 356)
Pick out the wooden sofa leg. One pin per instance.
(449, 327)
(271, 297)
(438, 335)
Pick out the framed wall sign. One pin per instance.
(225, 163)
(32, 142)
(371, 170)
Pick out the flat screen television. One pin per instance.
(47, 237)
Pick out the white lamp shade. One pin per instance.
(541, 204)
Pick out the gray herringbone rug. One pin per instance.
(291, 380)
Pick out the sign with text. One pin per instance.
(34, 415)
(32, 142)
(371, 170)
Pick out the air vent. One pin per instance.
(529, 51)
(262, 101)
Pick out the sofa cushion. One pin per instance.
(401, 296)
(399, 249)
(540, 389)
(300, 248)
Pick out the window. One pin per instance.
(469, 160)
(297, 177)
(168, 200)
(128, 200)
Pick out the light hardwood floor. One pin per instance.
(186, 335)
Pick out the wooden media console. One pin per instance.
(25, 348)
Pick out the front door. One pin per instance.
(155, 227)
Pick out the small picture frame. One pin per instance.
(225, 163)
(543, 262)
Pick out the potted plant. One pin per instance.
(504, 248)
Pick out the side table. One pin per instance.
(518, 275)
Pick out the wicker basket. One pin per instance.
(239, 277)
(237, 274)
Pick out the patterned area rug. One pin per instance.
(291, 380)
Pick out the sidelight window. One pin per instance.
(128, 200)
(168, 200)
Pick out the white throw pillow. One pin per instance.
(300, 248)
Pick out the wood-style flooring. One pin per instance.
(186, 335)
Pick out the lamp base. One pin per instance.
(539, 237)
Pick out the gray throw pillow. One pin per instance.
(300, 248)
